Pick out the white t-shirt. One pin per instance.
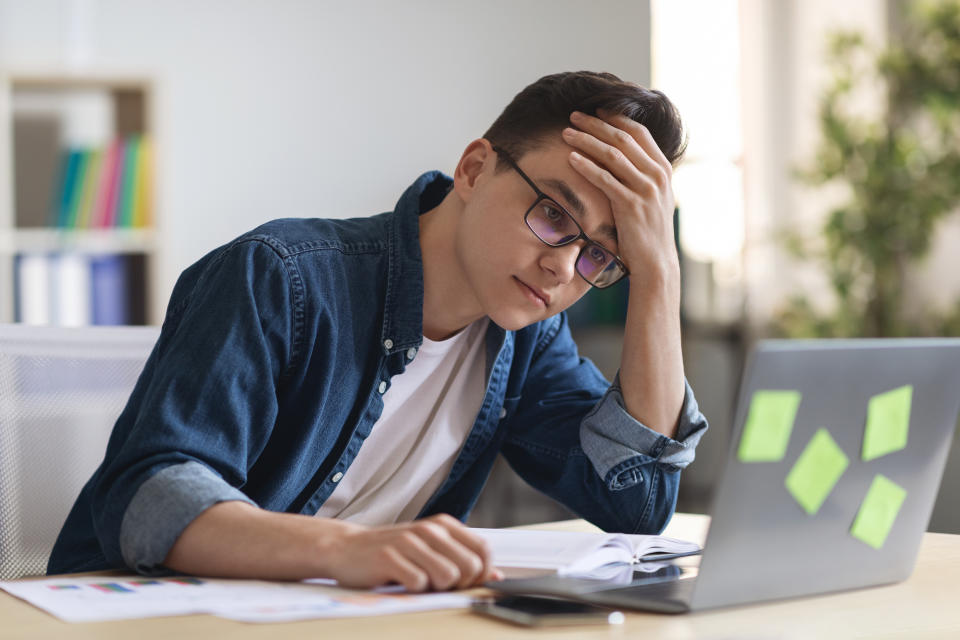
(428, 412)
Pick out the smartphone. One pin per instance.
(531, 611)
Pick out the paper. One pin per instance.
(816, 472)
(878, 511)
(766, 432)
(90, 599)
(888, 422)
(573, 552)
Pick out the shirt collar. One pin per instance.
(403, 306)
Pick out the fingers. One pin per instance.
(600, 177)
(455, 542)
(609, 123)
(398, 568)
(449, 553)
(624, 147)
(436, 553)
(480, 557)
(442, 565)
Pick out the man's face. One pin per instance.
(515, 277)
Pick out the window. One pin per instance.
(696, 62)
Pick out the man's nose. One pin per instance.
(561, 261)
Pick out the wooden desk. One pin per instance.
(925, 606)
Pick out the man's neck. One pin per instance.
(448, 301)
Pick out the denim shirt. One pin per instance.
(268, 376)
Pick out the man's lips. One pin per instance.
(532, 292)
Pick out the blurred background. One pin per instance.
(818, 197)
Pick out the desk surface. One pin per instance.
(925, 606)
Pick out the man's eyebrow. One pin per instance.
(576, 204)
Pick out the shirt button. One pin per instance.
(388, 344)
(411, 352)
(336, 477)
(503, 413)
(383, 387)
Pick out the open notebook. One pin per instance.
(576, 553)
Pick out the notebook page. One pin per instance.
(553, 549)
(645, 545)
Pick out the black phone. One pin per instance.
(535, 611)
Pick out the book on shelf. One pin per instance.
(108, 286)
(579, 553)
(70, 290)
(75, 289)
(104, 187)
(31, 289)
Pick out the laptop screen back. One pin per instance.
(838, 451)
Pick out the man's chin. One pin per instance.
(514, 321)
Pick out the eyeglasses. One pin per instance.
(555, 227)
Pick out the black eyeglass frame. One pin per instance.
(541, 196)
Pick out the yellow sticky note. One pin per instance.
(766, 433)
(878, 511)
(816, 471)
(888, 422)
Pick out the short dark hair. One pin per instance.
(545, 106)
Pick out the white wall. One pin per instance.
(325, 108)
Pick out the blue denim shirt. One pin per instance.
(268, 376)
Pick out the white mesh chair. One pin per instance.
(61, 391)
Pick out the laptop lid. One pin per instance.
(838, 450)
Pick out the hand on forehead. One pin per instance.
(619, 133)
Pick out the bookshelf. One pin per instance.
(78, 225)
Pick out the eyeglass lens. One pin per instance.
(556, 228)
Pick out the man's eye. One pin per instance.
(551, 214)
(597, 255)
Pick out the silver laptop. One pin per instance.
(838, 451)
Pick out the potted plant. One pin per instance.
(901, 173)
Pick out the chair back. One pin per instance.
(61, 391)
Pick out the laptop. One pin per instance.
(838, 451)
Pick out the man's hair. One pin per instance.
(544, 108)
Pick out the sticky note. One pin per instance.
(816, 471)
(766, 432)
(888, 421)
(878, 511)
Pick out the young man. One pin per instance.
(327, 397)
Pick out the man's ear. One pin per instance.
(476, 165)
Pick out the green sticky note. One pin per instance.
(816, 471)
(766, 432)
(888, 421)
(878, 511)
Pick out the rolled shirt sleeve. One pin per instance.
(617, 444)
(162, 508)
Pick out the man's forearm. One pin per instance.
(235, 539)
(238, 540)
(651, 368)
(621, 158)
